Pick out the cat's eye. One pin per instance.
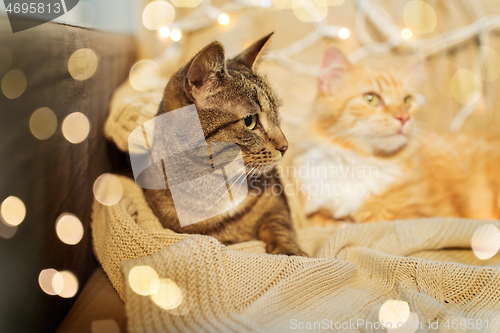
(372, 99)
(408, 100)
(251, 121)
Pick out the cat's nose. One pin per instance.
(402, 117)
(282, 150)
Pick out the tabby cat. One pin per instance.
(234, 105)
(370, 160)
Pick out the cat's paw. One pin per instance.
(289, 251)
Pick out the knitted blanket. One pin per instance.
(421, 275)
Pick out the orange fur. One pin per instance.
(441, 175)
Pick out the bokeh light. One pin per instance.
(145, 74)
(486, 241)
(144, 280)
(406, 34)
(168, 296)
(419, 17)
(82, 64)
(7, 231)
(223, 19)
(14, 84)
(465, 87)
(394, 312)
(104, 326)
(158, 14)
(13, 211)
(343, 33)
(43, 123)
(186, 3)
(69, 229)
(310, 10)
(6, 56)
(176, 35)
(45, 279)
(490, 69)
(65, 284)
(108, 189)
(164, 32)
(76, 127)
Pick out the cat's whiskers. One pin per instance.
(223, 183)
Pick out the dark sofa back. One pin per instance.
(51, 176)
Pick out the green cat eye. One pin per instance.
(372, 99)
(251, 121)
(408, 101)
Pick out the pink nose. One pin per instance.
(402, 117)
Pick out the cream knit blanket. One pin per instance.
(427, 263)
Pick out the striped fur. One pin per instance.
(225, 92)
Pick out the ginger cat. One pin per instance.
(367, 160)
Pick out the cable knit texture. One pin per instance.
(239, 288)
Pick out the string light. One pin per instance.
(175, 35)
(406, 34)
(343, 33)
(164, 32)
(223, 19)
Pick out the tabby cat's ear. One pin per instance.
(334, 68)
(252, 53)
(208, 66)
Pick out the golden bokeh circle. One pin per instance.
(176, 35)
(45, 279)
(420, 17)
(310, 10)
(168, 296)
(14, 84)
(158, 14)
(465, 87)
(13, 211)
(186, 3)
(76, 127)
(82, 64)
(223, 19)
(486, 241)
(6, 230)
(108, 189)
(43, 123)
(145, 75)
(65, 284)
(406, 34)
(144, 280)
(69, 229)
(394, 312)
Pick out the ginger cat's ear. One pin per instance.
(250, 56)
(208, 66)
(334, 69)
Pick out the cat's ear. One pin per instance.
(252, 53)
(334, 69)
(208, 66)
